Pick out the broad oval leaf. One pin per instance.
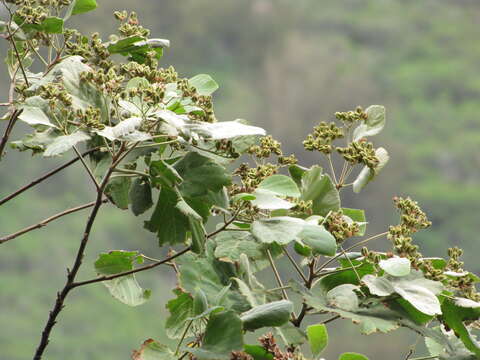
(225, 130)
(64, 143)
(317, 338)
(280, 185)
(396, 266)
(318, 239)
(122, 129)
(204, 84)
(352, 356)
(222, 336)
(275, 313)
(373, 124)
(343, 297)
(282, 229)
(267, 200)
(367, 174)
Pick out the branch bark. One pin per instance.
(62, 295)
(130, 272)
(8, 130)
(44, 222)
(44, 177)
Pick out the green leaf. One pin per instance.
(396, 266)
(282, 230)
(122, 130)
(153, 350)
(81, 6)
(52, 25)
(317, 338)
(275, 313)
(64, 143)
(199, 236)
(125, 288)
(414, 288)
(225, 130)
(257, 352)
(343, 297)
(33, 115)
(170, 224)
(280, 185)
(269, 201)
(118, 189)
(164, 174)
(292, 334)
(125, 45)
(352, 356)
(140, 196)
(201, 174)
(212, 276)
(374, 317)
(319, 188)
(180, 309)
(367, 174)
(318, 239)
(200, 302)
(204, 84)
(359, 217)
(379, 286)
(455, 313)
(231, 244)
(373, 124)
(222, 336)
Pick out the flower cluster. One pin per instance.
(351, 117)
(360, 152)
(267, 147)
(340, 226)
(322, 137)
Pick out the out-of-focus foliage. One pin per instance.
(292, 64)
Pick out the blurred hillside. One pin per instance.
(283, 65)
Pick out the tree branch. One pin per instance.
(44, 222)
(360, 243)
(43, 177)
(62, 295)
(8, 130)
(130, 272)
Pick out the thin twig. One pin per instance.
(295, 265)
(297, 320)
(183, 337)
(125, 273)
(18, 55)
(44, 222)
(331, 319)
(8, 130)
(44, 177)
(277, 275)
(225, 225)
(360, 243)
(329, 157)
(351, 264)
(62, 295)
(87, 168)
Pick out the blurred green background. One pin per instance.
(284, 65)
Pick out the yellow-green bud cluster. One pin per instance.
(360, 152)
(130, 25)
(351, 117)
(322, 137)
(267, 147)
(90, 118)
(252, 177)
(412, 216)
(287, 160)
(54, 93)
(339, 226)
